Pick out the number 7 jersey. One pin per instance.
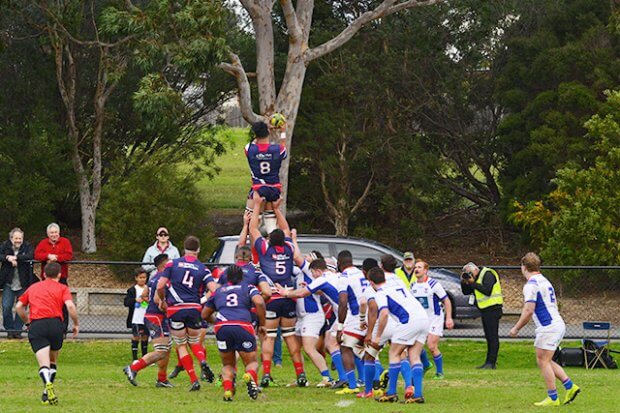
(187, 278)
(265, 160)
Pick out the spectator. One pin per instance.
(15, 277)
(405, 272)
(161, 246)
(54, 248)
(137, 300)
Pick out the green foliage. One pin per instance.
(153, 195)
(579, 222)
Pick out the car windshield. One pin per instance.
(360, 252)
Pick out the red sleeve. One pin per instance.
(25, 297)
(40, 253)
(66, 294)
(66, 252)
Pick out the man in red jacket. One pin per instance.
(54, 248)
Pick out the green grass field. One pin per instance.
(90, 379)
(229, 189)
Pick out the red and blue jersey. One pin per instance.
(233, 303)
(276, 262)
(251, 275)
(265, 160)
(187, 278)
(153, 308)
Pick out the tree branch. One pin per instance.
(294, 30)
(386, 8)
(330, 206)
(362, 198)
(245, 95)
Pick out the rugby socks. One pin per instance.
(138, 365)
(394, 369)
(351, 379)
(228, 385)
(53, 373)
(188, 365)
(405, 370)
(553, 394)
(253, 374)
(144, 346)
(266, 367)
(337, 359)
(299, 368)
(44, 373)
(161, 376)
(359, 365)
(199, 351)
(134, 349)
(568, 383)
(417, 374)
(438, 363)
(424, 357)
(325, 373)
(369, 375)
(378, 369)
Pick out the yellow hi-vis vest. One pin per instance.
(495, 298)
(401, 274)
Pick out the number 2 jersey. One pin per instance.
(187, 278)
(265, 160)
(430, 294)
(539, 290)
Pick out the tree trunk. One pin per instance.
(88, 209)
(341, 225)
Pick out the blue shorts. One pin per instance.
(270, 193)
(157, 325)
(138, 330)
(184, 318)
(281, 307)
(235, 338)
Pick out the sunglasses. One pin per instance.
(162, 234)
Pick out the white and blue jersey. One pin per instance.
(402, 306)
(330, 284)
(539, 290)
(430, 294)
(312, 303)
(355, 282)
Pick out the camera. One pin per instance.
(467, 275)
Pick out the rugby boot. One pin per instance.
(387, 398)
(175, 372)
(51, 395)
(348, 390)
(302, 380)
(384, 378)
(131, 375)
(251, 385)
(339, 384)
(419, 400)
(547, 402)
(228, 396)
(206, 372)
(165, 384)
(195, 386)
(409, 392)
(571, 394)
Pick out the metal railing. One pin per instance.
(590, 293)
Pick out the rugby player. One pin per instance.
(182, 280)
(430, 294)
(158, 327)
(276, 262)
(44, 320)
(409, 333)
(265, 160)
(234, 331)
(541, 304)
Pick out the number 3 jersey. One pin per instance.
(430, 294)
(187, 278)
(233, 302)
(265, 160)
(546, 315)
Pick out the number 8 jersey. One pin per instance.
(265, 160)
(187, 277)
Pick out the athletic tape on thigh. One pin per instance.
(373, 351)
(177, 325)
(162, 347)
(288, 331)
(179, 340)
(193, 340)
(272, 332)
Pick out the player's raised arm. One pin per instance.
(297, 257)
(254, 220)
(281, 219)
(243, 236)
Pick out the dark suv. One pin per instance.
(330, 246)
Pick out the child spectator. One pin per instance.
(137, 301)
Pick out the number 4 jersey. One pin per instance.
(187, 278)
(265, 160)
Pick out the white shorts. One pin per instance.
(310, 325)
(409, 333)
(388, 331)
(436, 325)
(352, 325)
(550, 340)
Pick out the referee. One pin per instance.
(45, 324)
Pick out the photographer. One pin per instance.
(485, 286)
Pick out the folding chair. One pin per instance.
(595, 342)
